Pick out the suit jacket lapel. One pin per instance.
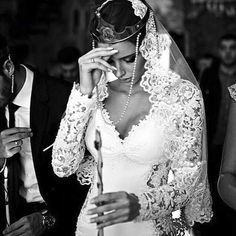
(38, 114)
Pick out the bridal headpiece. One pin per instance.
(105, 32)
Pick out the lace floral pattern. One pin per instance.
(102, 89)
(232, 91)
(86, 170)
(69, 146)
(139, 8)
(153, 45)
(183, 151)
(189, 190)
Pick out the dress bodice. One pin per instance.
(127, 164)
(129, 159)
(167, 141)
(144, 143)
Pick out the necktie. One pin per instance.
(12, 109)
(8, 171)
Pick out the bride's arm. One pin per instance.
(186, 164)
(227, 178)
(69, 146)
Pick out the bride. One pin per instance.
(138, 91)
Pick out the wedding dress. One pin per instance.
(159, 161)
(127, 164)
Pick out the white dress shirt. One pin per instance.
(29, 190)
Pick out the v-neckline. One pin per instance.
(107, 119)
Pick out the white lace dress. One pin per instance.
(232, 91)
(159, 161)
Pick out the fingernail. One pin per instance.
(110, 48)
(109, 70)
(114, 68)
(92, 201)
(115, 50)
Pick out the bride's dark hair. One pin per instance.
(120, 14)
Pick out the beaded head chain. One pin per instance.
(105, 32)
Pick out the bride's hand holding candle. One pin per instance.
(116, 207)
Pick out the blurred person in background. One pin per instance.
(214, 83)
(205, 62)
(39, 202)
(66, 67)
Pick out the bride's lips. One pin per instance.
(126, 80)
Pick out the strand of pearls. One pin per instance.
(93, 44)
(130, 87)
(131, 83)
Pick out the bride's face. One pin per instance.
(124, 61)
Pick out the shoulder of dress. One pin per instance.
(186, 90)
(232, 91)
(186, 83)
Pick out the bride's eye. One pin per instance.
(130, 59)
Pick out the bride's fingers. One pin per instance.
(103, 53)
(104, 208)
(112, 222)
(94, 66)
(99, 49)
(101, 61)
(110, 197)
(110, 218)
(107, 217)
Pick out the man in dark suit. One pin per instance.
(40, 203)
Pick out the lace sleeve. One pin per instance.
(86, 171)
(232, 91)
(186, 164)
(69, 146)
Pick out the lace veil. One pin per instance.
(165, 67)
(164, 57)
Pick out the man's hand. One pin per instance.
(30, 225)
(12, 139)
